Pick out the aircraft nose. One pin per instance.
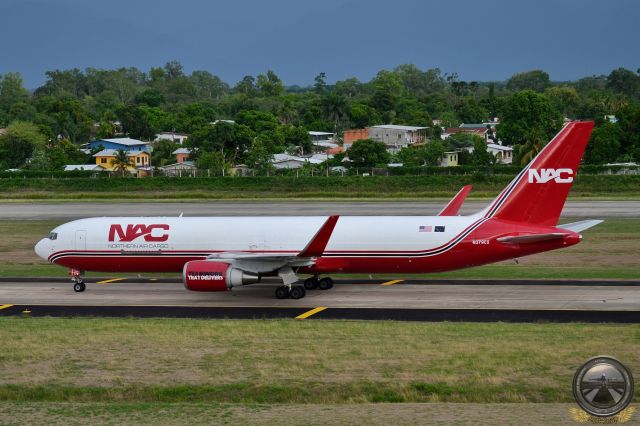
(42, 248)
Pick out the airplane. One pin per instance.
(221, 253)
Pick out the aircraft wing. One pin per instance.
(532, 238)
(454, 205)
(270, 262)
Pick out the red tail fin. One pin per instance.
(537, 195)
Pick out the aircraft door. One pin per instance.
(81, 240)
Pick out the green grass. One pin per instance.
(289, 361)
(285, 187)
(611, 250)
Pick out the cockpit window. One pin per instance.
(53, 236)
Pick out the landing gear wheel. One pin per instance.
(79, 287)
(325, 283)
(311, 283)
(297, 292)
(282, 292)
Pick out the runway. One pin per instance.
(409, 300)
(69, 210)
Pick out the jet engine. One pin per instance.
(205, 275)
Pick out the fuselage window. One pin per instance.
(53, 236)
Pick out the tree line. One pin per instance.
(44, 126)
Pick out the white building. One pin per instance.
(87, 167)
(503, 154)
(286, 161)
(178, 138)
(396, 137)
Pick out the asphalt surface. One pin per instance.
(563, 301)
(68, 211)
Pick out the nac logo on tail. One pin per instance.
(133, 232)
(548, 175)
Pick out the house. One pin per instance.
(323, 141)
(483, 132)
(503, 154)
(286, 161)
(83, 167)
(449, 159)
(178, 138)
(182, 154)
(140, 161)
(396, 137)
(350, 136)
(182, 168)
(125, 144)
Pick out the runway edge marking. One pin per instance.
(311, 312)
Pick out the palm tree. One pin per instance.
(122, 162)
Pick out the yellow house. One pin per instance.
(449, 159)
(140, 161)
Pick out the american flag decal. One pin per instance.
(425, 228)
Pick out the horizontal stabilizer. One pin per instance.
(532, 238)
(454, 205)
(319, 241)
(582, 225)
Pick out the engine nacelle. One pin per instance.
(205, 275)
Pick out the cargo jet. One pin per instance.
(220, 253)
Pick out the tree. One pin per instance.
(122, 162)
(565, 99)
(536, 80)
(334, 107)
(368, 153)
(320, 83)
(18, 143)
(480, 156)
(604, 144)
(387, 90)
(624, 81)
(362, 115)
(163, 153)
(469, 111)
(259, 158)
(526, 112)
(269, 84)
(11, 91)
(298, 137)
(428, 154)
(135, 122)
(213, 161)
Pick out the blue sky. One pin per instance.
(480, 40)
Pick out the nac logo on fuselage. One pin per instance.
(547, 175)
(133, 232)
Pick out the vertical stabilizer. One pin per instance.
(537, 195)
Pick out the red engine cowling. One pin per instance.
(204, 275)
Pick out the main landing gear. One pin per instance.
(299, 291)
(76, 276)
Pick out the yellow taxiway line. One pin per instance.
(113, 280)
(392, 282)
(5, 306)
(311, 312)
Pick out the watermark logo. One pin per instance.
(548, 175)
(603, 389)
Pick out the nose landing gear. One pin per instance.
(76, 277)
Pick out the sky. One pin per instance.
(485, 40)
